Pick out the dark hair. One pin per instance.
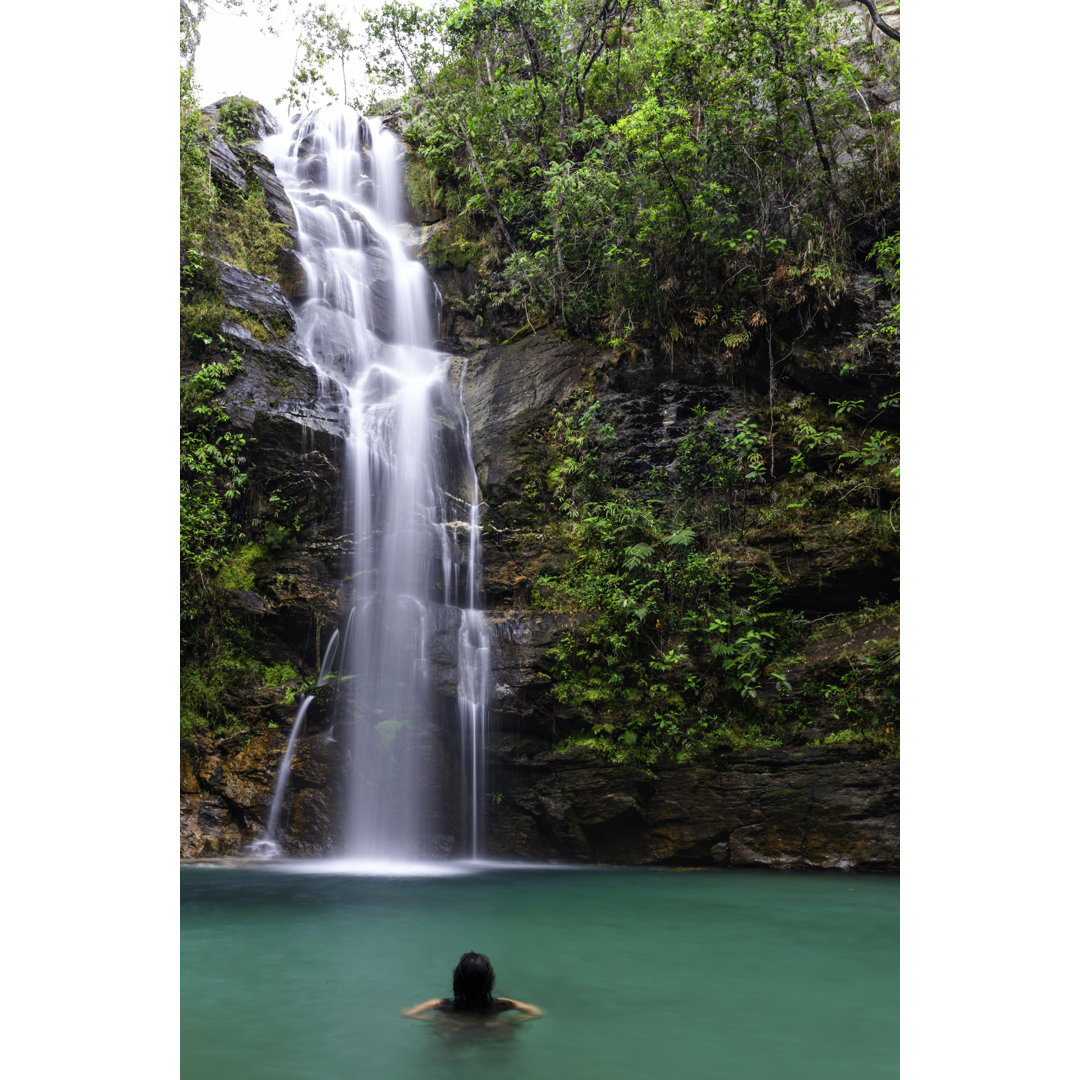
(474, 978)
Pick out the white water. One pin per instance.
(367, 327)
(268, 846)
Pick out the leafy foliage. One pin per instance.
(196, 189)
(235, 120)
(228, 525)
(664, 171)
(669, 648)
(885, 255)
(211, 476)
(680, 643)
(324, 39)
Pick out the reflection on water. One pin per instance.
(649, 974)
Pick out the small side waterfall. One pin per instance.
(474, 664)
(267, 845)
(366, 321)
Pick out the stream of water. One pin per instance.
(366, 324)
(301, 971)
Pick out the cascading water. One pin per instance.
(267, 846)
(366, 322)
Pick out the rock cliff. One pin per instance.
(815, 801)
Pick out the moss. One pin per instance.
(266, 329)
(749, 737)
(246, 235)
(451, 247)
(280, 674)
(605, 748)
(888, 747)
(202, 312)
(422, 189)
(204, 687)
(237, 574)
(191, 721)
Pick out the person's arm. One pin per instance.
(424, 1007)
(528, 1012)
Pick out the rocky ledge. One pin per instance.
(812, 808)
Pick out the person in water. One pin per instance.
(474, 980)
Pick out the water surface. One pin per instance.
(642, 973)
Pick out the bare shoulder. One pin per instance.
(526, 1010)
(423, 1008)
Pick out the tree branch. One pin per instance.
(878, 21)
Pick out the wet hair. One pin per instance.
(474, 978)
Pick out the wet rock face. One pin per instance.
(789, 809)
(237, 167)
(508, 389)
(293, 456)
(249, 292)
(225, 167)
(228, 786)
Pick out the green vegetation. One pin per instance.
(211, 476)
(245, 234)
(664, 172)
(694, 176)
(885, 255)
(218, 221)
(670, 175)
(681, 647)
(235, 120)
(229, 525)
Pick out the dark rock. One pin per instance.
(255, 294)
(207, 828)
(291, 272)
(276, 390)
(225, 167)
(248, 602)
(824, 809)
(508, 389)
(521, 688)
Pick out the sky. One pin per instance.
(235, 57)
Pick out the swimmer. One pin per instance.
(473, 982)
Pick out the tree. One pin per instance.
(323, 38)
(878, 21)
(192, 13)
(647, 167)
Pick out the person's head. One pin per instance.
(473, 980)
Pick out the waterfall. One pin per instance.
(474, 655)
(366, 321)
(267, 845)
